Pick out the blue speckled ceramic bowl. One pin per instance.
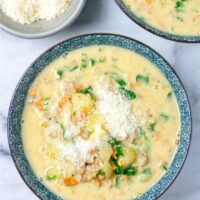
(19, 97)
(166, 35)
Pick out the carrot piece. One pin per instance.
(38, 103)
(196, 17)
(157, 135)
(166, 141)
(78, 116)
(114, 154)
(69, 181)
(32, 92)
(62, 102)
(138, 84)
(153, 79)
(139, 141)
(84, 110)
(78, 87)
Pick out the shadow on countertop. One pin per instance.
(92, 12)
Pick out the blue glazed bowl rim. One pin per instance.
(155, 31)
(149, 195)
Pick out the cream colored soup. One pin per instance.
(100, 123)
(174, 16)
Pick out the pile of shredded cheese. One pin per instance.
(116, 111)
(28, 11)
(118, 119)
(77, 152)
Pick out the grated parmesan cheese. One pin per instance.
(116, 112)
(119, 123)
(77, 151)
(28, 11)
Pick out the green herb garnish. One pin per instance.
(165, 167)
(130, 171)
(87, 90)
(117, 78)
(177, 142)
(59, 73)
(127, 93)
(179, 4)
(179, 19)
(134, 142)
(121, 82)
(164, 117)
(63, 128)
(117, 146)
(51, 177)
(113, 142)
(71, 69)
(119, 170)
(92, 62)
(83, 63)
(146, 171)
(151, 126)
(101, 172)
(142, 79)
(117, 181)
(119, 151)
(142, 134)
(169, 95)
(102, 59)
(45, 103)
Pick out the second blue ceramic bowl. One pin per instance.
(146, 26)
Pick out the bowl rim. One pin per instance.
(75, 14)
(154, 30)
(99, 34)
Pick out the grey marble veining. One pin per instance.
(16, 54)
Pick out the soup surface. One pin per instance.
(180, 17)
(100, 123)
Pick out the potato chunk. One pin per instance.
(52, 174)
(105, 152)
(128, 158)
(81, 101)
(107, 168)
(145, 177)
(50, 151)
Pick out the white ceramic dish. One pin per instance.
(43, 28)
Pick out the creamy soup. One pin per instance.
(100, 123)
(180, 17)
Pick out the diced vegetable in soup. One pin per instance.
(100, 123)
(180, 17)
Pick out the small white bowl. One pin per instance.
(43, 28)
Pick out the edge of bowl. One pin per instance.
(67, 23)
(93, 34)
(155, 31)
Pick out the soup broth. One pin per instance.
(100, 123)
(180, 17)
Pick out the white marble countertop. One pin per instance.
(16, 54)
